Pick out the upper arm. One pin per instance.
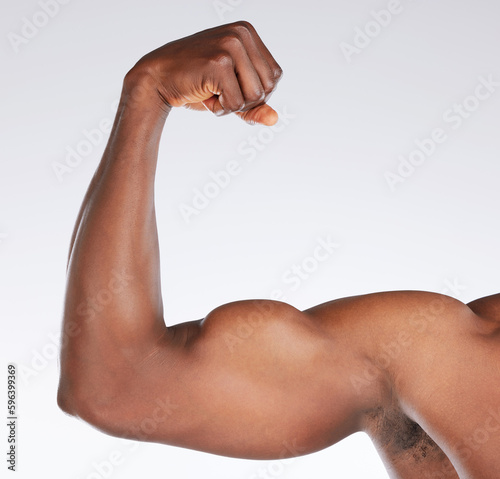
(255, 379)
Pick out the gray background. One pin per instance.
(322, 176)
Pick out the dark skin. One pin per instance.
(419, 372)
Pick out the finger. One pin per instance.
(227, 97)
(249, 80)
(262, 114)
(266, 66)
(210, 104)
(242, 86)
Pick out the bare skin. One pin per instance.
(419, 372)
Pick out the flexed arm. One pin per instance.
(203, 384)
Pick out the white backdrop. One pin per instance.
(388, 148)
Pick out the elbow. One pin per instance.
(112, 415)
(96, 411)
(64, 405)
(65, 400)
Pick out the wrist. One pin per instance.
(140, 93)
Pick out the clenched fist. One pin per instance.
(226, 69)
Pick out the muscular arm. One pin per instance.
(255, 379)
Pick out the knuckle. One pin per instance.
(277, 72)
(256, 95)
(239, 105)
(221, 60)
(231, 105)
(230, 41)
(243, 26)
(269, 85)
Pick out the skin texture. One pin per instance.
(419, 372)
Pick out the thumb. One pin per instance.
(262, 114)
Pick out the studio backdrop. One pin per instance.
(381, 174)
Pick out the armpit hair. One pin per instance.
(398, 434)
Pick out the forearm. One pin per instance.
(113, 306)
